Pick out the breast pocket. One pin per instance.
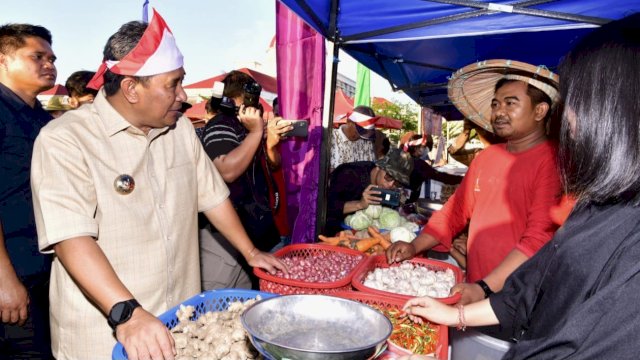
(181, 188)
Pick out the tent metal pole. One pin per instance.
(327, 125)
(436, 21)
(424, 86)
(519, 9)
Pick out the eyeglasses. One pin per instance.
(389, 178)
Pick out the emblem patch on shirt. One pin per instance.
(124, 184)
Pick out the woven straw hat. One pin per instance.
(472, 88)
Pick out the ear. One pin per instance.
(129, 89)
(541, 111)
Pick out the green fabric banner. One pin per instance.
(363, 87)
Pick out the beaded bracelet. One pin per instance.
(461, 324)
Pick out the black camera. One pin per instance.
(252, 92)
(228, 106)
(388, 197)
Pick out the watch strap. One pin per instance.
(487, 290)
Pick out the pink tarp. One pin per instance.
(300, 61)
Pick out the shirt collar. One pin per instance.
(15, 101)
(115, 123)
(343, 136)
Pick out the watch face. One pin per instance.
(119, 312)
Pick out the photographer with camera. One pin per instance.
(356, 185)
(242, 141)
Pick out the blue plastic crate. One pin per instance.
(214, 300)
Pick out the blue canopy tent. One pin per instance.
(417, 44)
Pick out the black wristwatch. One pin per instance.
(121, 312)
(487, 290)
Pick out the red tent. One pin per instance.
(267, 82)
(58, 89)
(344, 105)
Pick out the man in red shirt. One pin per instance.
(507, 194)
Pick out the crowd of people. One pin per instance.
(99, 226)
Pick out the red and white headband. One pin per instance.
(417, 142)
(364, 121)
(155, 53)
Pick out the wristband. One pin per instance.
(251, 254)
(487, 290)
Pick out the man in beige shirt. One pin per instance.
(117, 186)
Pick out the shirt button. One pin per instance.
(161, 206)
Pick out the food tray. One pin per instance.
(284, 286)
(213, 300)
(442, 346)
(380, 261)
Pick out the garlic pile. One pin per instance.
(412, 280)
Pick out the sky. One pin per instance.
(215, 36)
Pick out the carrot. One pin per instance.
(375, 250)
(329, 240)
(346, 243)
(385, 241)
(365, 244)
(334, 240)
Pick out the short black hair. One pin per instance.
(600, 83)
(13, 36)
(76, 83)
(117, 47)
(537, 96)
(234, 83)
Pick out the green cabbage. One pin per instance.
(373, 211)
(413, 227)
(389, 218)
(360, 221)
(402, 234)
(347, 220)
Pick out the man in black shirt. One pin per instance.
(351, 185)
(245, 156)
(26, 69)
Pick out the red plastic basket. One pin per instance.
(278, 285)
(380, 261)
(442, 346)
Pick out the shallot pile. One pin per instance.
(321, 267)
(412, 280)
